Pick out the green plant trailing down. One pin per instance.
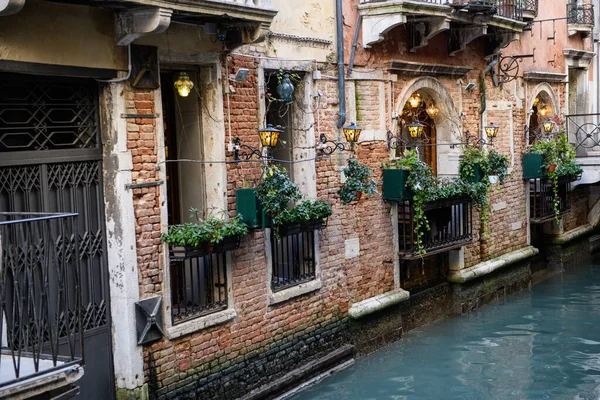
(358, 180)
(561, 154)
(305, 211)
(496, 164)
(209, 230)
(471, 157)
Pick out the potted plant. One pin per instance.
(317, 212)
(395, 177)
(275, 193)
(496, 167)
(470, 168)
(358, 181)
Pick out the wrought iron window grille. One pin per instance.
(293, 259)
(582, 14)
(541, 198)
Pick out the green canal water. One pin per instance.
(538, 344)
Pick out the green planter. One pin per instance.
(532, 166)
(248, 207)
(394, 185)
(477, 173)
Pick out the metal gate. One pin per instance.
(51, 161)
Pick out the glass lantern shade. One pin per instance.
(352, 132)
(544, 110)
(548, 125)
(183, 84)
(415, 100)
(415, 129)
(432, 110)
(269, 136)
(492, 130)
(286, 89)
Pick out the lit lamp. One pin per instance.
(548, 125)
(492, 130)
(183, 84)
(286, 89)
(269, 136)
(352, 132)
(415, 129)
(432, 110)
(536, 101)
(544, 110)
(415, 100)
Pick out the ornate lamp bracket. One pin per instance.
(508, 66)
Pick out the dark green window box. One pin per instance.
(532, 166)
(250, 209)
(478, 174)
(394, 185)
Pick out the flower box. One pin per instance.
(532, 166)
(227, 244)
(394, 185)
(315, 225)
(179, 253)
(478, 174)
(249, 208)
(290, 229)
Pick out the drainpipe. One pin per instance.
(354, 44)
(340, 60)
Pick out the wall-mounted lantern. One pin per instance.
(544, 110)
(286, 89)
(269, 136)
(432, 110)
(183, 84)
(352, 132)
(548, 125)
(415, 129)
(492, 130)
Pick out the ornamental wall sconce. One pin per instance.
(415, 100)
(548, 125)
(183, 84)
(269, 137)
(285, 89)
(432, 110)
(327, 147)
(491, 132)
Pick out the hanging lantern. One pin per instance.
(536, 101)
(492, 130)
(432, 110)
(183, 84)
(415, 100)
(544, 110)
(286, 89)
(269, 136)
(352, 132)
(548, 125)
(415, 129)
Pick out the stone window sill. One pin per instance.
(295, 291)
(200, 323)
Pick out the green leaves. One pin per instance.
(212, 229)
(276, 191)
(358, 180)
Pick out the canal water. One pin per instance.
(538, 344)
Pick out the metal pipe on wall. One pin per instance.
(340, 59)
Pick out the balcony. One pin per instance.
(450, 222)
(580, 18)
(500, 21)
(40, 292)
(541, 199)
(530, 10)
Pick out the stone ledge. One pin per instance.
(295, 291)
(572, 234)
(487, 267)
(200, 323)
(377, 303)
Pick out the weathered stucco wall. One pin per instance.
(60, 34)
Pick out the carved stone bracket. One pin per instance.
(10, 7)
(136, 23)
(375, 27)
(462, 36)
(425, 31)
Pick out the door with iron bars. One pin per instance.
(51, 161)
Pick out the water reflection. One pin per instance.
(542, 344)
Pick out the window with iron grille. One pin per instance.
(541, 199)
(293, 259)
(198, 285)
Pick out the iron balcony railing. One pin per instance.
(40, 294)
(582, 14)
(450, 222)
(530, 5)
(512, 9)
(584, 129)
(541, 198)
(294, 258)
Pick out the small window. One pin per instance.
(198, 285)
(294, 260)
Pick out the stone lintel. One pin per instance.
(487, 267)
(377, 303)
(577, 58)
(10, 7)
(541, 76)
(412, 68)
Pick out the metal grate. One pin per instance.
(47, 115)
(294, 259)
(450, 223)
(530, 5)
(541, 199)
(580, 14)
(198, 286)
(40, 293)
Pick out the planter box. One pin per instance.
(532, 166)
(478, 175)
(290, 229)
(179, 253)
(316, 225)
(394, 185)
(228, 244)
(248, 207)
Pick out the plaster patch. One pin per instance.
(352, 248)
(516, 225)
(499, 206)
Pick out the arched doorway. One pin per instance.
(441, 127)
(543, 105)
